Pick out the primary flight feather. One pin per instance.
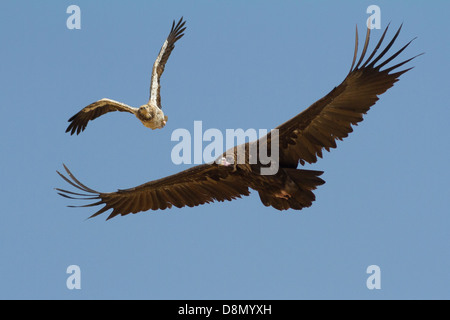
(301, 140)
(150, 114)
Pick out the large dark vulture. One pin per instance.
(301, 139)
(149, 114)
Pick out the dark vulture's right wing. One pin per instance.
(303, 137)
(80, 120)
(176, 33)
(195, 186)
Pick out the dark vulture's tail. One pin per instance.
(299, 195)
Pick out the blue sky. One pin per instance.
(248, 64)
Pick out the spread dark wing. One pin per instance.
(158, 67)
(80, 120)
(198, 185)
(303, 137)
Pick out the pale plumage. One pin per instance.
(150, 114)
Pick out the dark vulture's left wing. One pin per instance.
(175, 34)
(195, 186)
(303, 137)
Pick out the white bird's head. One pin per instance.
(152, 117)
(145, 112)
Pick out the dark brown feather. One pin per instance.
(303, 137)
(192, 187)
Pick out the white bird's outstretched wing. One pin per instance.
(79, 121)
(175, 34)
